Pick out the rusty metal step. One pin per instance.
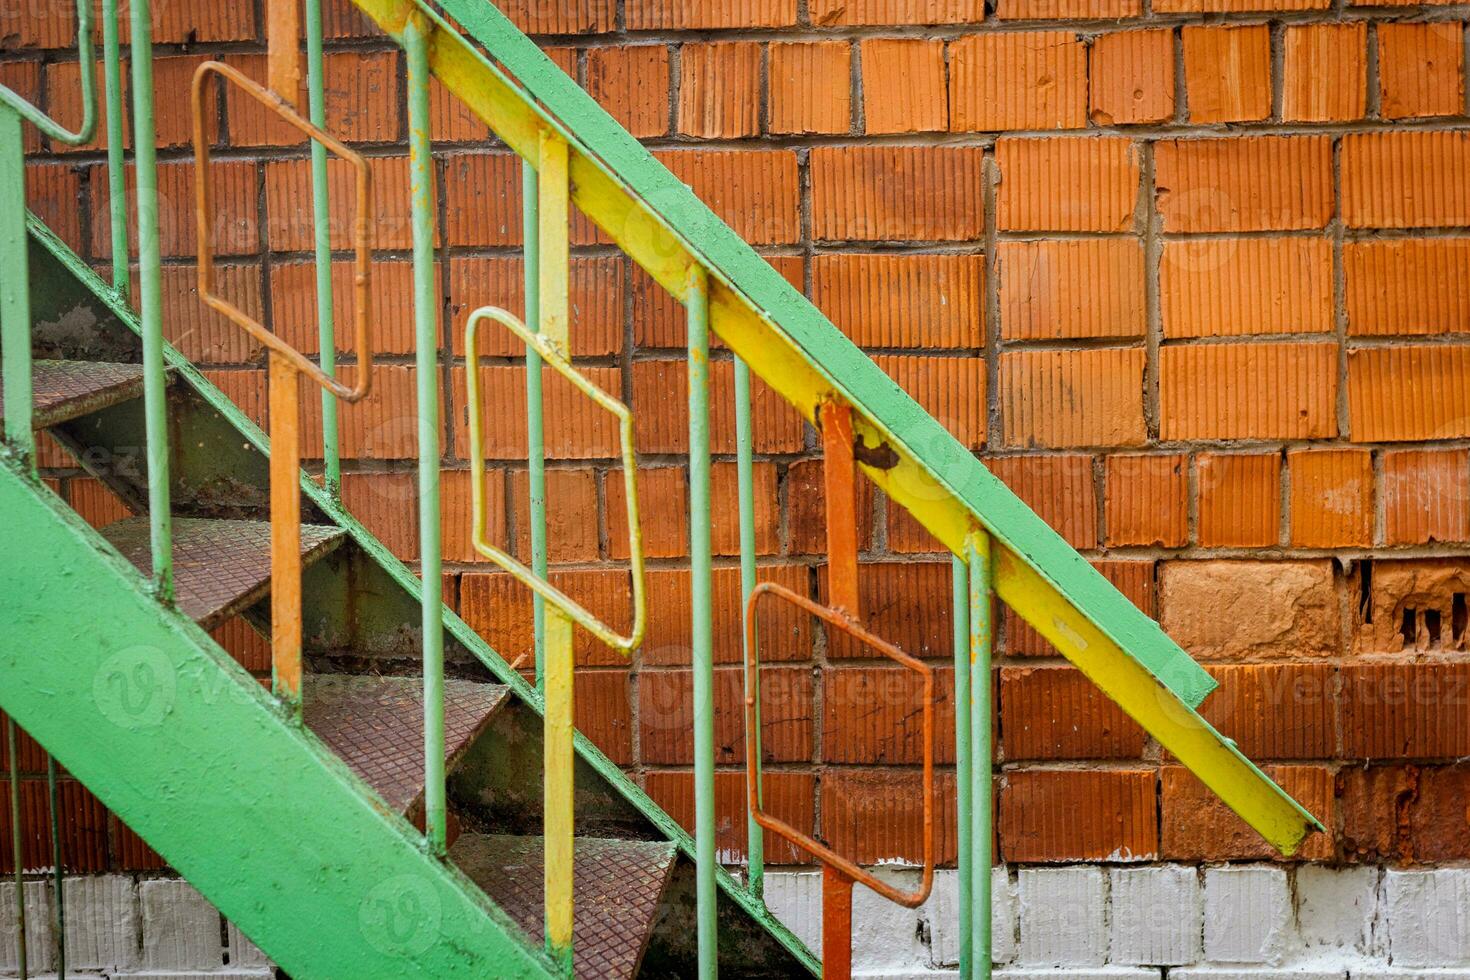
(65, 390)
(220, 567)
(376, 724)
(617, 886)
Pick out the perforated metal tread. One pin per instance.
(220, 567)
(376, 724)
(617, 886)
(63, 390)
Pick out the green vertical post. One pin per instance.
(421, 190)
(702, 650)
(535, 429)
(964, 767)
(15, 298)
(745, 480)
(58, 906)
(982, 635)
(17, 849)
(321, 218)
(150, 299)
(117, 185)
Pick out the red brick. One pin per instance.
(1405, 814)
(1407, 286)
(811, 88)
(886, 300)
(236, 231)
(571, 514)
(659, 320)
(200, 333)
(482, 199)
(663, 499)
(1412, 605)
(82, 821)
(790, 796)
(251, 649)
(1057, 713)
(42, 26)
(290, 226)
(1276, 711)
(719, 89)
(568, 16)
(1066, 184)
(1256, 183)
(666, 715)
(1405, 179)
(129, 851)
(1409, 393)
(498, 607)
(875, 816)
(1325, 74)
(94, 502)
(806, 509)
(1218, 287)
(1426, 496)
(632, 83)
(783, 632)
(64, 102)
(1132, 77)
(875, 715)
(294, 305)
(645, 15)
(387, 505)
(32, 757)
(1405, 711)
(191, 23)
(725, 509)
(24, 79)
(1421, 69)
(1058, 488)
(1331, 497)
(1029, 80)
(1248, 391)
(1067, 9)
(457, 515)
(52, 191)
(1039, 811)
(904, 85)
(1236, 6)
(1197, 826)
(246, 388)
(906, 603)
(1227, 73)
(1235, 610)
(596, 293)
(755, 191)
(1147, 500)
(1134, 579)
(1059, 399)
(1239, 499)
(1052, 290)
(575, 427)
(915, 193)
(450, 120)
(661, 385)
(603, 712)
(906, 536)
(844, 13)
(361, 89)
(384, 425)
(951, 389)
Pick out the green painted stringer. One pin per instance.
(836, 358)
(195, 755)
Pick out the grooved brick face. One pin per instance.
(916, 193)
(1057, 713)
(1331, 497)
(1407, 286)
(565, 17)
(632, 83)
(952, 389)
(719, 89)
(1239, 499)
(753, 190)
(1059, 399)
(1426, 496)
(1051, 290)
(1398, 394)
(1039, 810)
(1326, 72)
(655, 14)
(1248, 391)
(1017, 80)
(1260, 183)
(1079, 184)
(1198, 827)
(1227, 73)
(810, 87)
(1058, 488)
(834, 13)
(904, 86)
(1421, 69)
(1132, 77)
(1405, 179)
(1147, 500)
(876, 715)
(884, 300)
(1276, 711)
(1213, 287)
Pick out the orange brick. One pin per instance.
(1239, 499)
(82, 822)
(916, 193)
(457, 515)
(1058, 488)
(659, 320)
(1134, 579)
(604, 713)
(1405, 179)
(361, 91)
(575, 427)
(904, 86)
(1398, 394)
(665, 429)
(24, 79)
(249, 648)
(1055, 290)
(1236, 6)
(1331, 497)
(874, 715)
(42, 26)
(755, 191)
(498, 607)
(1057, 713)
(1426, 496)
(236, 230)
(1248, 391)
(846, 13)
(951, 389)
(387, 505)
(1276, 711)
(886, 300)
(482, 199)
(52, 192)
(94, 502)
(571, 514)
(806, 509)
(203, 335)
(596, 294)
(1057, 398)
(567, 17)
(1405, 813)
(783, 632)
(294, 309)
(875, 816)
(290, 225)
(632, 83)
(1132, 77)
(64, 102)
(1147, 500)
(644, 15)
(1421, 69)
(1405, 711)
(906, 536)
(907, 603)
(666, 715)
(1031, 80)
(811, 87)
(1408, 286)
(1227, 73)
(246, 388)
(725, 509)
(719, 89)
(192, 23)
(1066, 184)
(1039, 807)
(381, 426)
(1220, 287)
(1197, 826)
(1067, 9)
(1325, 76)
(1244, 184)
(663, 498)
(450, 120)
(791, 796)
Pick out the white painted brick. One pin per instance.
(1335, 908)
(796, 899)
(1247, 915)
(1155, 916)
(243, 954)
(885, 935)
(38, 927)
(1427, 917)
(1062, 916)
(1255, 973)
(101, 923)
(171, 975)
(1099, 973)
(1405, 973)
(181, 930)
(914, 975)
(942, 913)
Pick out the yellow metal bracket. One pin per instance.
(553, 356)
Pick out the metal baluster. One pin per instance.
(58, 910)
(17, 848)
(117, 186)
(535, 430)
(982, 634)
(964, 766)
(322, 237)
(745, 477)
(15, 298)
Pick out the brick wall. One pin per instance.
(1187, 275)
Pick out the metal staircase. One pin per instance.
(403, 803)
